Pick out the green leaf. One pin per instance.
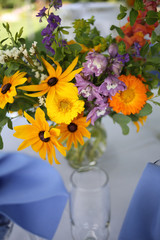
(123, 8)
(1, 143)
(121, 48)
(156, 103)
(59, 54)
(144, 49)
(20, 32)
(122, 120)
(146, 110)
(133, 16)
(10, 126)
(138, 5)
(119, 30)
(75, 48)
(153, 37)
(121, 15)
(152, 17)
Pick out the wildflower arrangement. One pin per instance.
(66, 90)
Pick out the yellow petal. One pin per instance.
(27, 143)
(40, 119)
(58, 69)
(49, 152)
(25, 131)
(37, 146)
(33, 88)
(38, 94)
(49, 67)
(69, 142)
(42, 151)
(29, 118)
(70, 68)
(19, 81)
(71, 75)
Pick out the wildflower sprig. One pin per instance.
(75, 83)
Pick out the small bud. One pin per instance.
(113, 50)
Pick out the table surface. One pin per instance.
(124, 160)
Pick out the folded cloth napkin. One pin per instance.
(32, 193)
(142, 221)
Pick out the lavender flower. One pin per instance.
(111, 86)
(95, 65)
(116, 66)
(41, 13)
(123, 58)
(113, 50)
(86, 88)
(98, 111)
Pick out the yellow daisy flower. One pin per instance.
(40, 136)
(8, 90)
(75, 131)
(132, 99)
(64, 108)
(56, 82)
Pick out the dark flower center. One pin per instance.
(72, 127)
(52, 81)
(41, 136)
(5, 88)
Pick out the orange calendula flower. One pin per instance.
(75, 131)
(40, 136)
(141, 120)
(56, 82)
(131, 100)
(8, 88)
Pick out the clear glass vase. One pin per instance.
(6, 226)
(93, 148)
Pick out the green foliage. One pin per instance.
(122, 120)
(133, 16)
(119, 30)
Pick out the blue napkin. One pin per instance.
(32, 193)
(142, 221)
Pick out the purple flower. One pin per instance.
(137, 48)
(113, 50)
(53, 21)
(111, 86)
(56, 3)
(123, 58)
(116, 67)
(98, 111)
(41, 13)
(86, 88)
(96, 63)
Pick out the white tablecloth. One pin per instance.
(124, 160)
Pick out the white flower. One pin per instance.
(40, 68)
(34, 44)
(43, 76)
(25, 52)
(8, 53)
(2, 59)
(32, 51)
(37, 75)
(42, 101)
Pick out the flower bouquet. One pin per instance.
(65, 91)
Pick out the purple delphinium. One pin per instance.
(41, 13)
(111, 86)
(86, 88)
(53, 23)
(123, 58)
(95, 65)
(56, 3)
(98, 111)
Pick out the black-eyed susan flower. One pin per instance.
(75, 131)
(131, 100)
(40, 136)
(56, 82)
(64, 108)
(8, 88)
